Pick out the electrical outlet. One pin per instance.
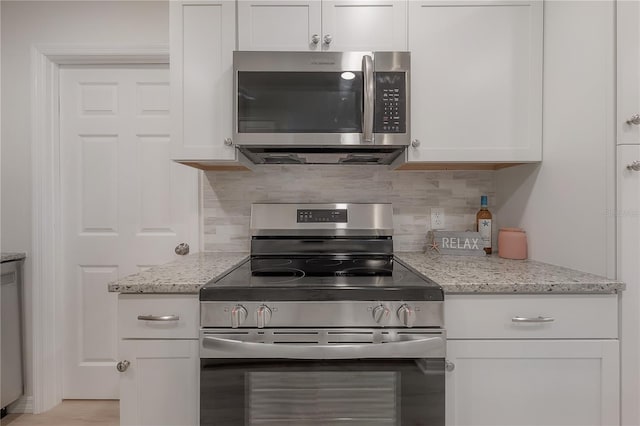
(437, 218)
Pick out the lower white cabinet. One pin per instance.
(559, 372)
(160, 386)
(533, 382)
(533, 359)
(159, 360)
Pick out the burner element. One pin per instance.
(278, 275)
(267, 263)
(319, 262)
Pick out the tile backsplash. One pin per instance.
(227, 198)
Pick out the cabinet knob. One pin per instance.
(635, 119)
(449, 366)
(122, 366)
(328, 39)
(182, 249)
(635, 166)
(415, 143)
(315, 39)
(228, 142)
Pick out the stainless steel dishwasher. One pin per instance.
(11, 381)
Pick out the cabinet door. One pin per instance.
(628, 57)
(524, 382)
(476, 82)
(364, 25)
(161, 385)
(202, 39)
(279, 25)
(629, 272)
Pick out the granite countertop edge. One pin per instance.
(182, 276)
(456, 275)
(494, 275)
(12, 256)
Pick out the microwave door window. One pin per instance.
(300, 102)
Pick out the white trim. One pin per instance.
(23, 405)
(47, 293)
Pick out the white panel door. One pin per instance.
(533, 383)
(161, 385)
(349, 25)
(202, 40)
(279, 25)
(476, 86)
(125, 206)
(628, 216)
(628, 59)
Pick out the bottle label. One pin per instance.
(484, 227)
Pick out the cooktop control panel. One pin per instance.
(322, 215)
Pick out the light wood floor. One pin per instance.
(70, 413)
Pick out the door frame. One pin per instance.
(47, 301)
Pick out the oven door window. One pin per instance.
(394, 392)
(300, 102)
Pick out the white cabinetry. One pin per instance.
(628, 59)
(476, 81)
(202, 40)
(629, 273)
(328, 25)
(160, 384)
(560, 372)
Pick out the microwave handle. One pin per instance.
(369, 96)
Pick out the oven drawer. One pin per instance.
(532, 316)
(158, 316)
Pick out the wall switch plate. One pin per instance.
(437, 218)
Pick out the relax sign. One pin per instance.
(460, 243)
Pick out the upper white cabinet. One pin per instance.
(378, 25)
(476, 83)
(628, 58)
(202, 40)
(279, 25)
(337, 25)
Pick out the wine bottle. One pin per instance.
(483, 224)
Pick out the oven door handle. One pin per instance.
(215, 347)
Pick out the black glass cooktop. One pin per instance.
(321, 278)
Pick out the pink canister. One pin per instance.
(512, 243)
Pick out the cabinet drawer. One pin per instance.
(505, 316)
(180, 314)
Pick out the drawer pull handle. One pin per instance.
(158, 317)
(533, 319)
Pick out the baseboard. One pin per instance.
(22, 405)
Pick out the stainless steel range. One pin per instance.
(322, 325)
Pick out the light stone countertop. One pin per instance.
(11, 256)
(185, 275)
(492, 274)
(456, 274)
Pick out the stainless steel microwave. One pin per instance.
(321, 107)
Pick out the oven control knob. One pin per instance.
(238, 316)
(381, 314)
(263, 316)
(407, 315)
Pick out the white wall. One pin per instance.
(566, 203)
(25, 23)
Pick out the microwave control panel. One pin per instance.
(390, 111)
